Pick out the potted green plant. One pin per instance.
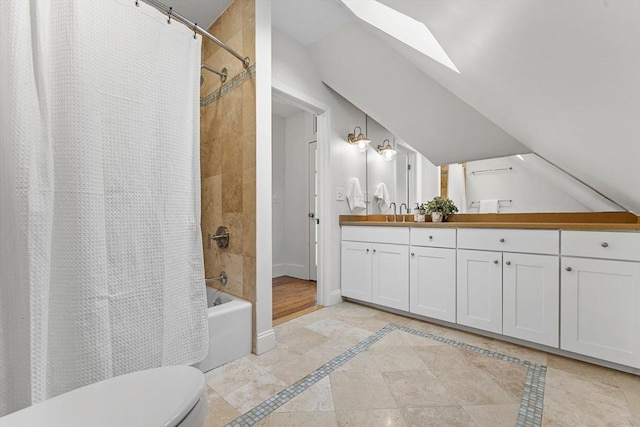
(440, 208)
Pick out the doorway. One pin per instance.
(295, 206)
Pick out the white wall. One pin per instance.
(278, 194)
(293, 67)
(265, 336)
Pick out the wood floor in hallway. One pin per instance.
(292, 297)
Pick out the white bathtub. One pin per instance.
(229, 330)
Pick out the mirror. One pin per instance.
(409, 178)
(513, 184)
(520, 184)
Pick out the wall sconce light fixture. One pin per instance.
(386, 150)
(358, 138)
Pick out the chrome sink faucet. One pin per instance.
(394, 210)
(406, 208)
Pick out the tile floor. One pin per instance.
(346, 365)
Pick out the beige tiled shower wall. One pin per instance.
(228, 152)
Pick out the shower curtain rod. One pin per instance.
(222, 73)
(172, 14)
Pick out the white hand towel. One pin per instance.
(488, 206)
(355, 199)
(382, 198)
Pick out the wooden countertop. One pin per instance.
(624, 221)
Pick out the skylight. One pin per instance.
(401, 27)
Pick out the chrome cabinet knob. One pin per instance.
(502, 240)
(508, 262)
(569, 269)
(430, 237)
(367, 250)
(374, 251)
(413, 254)
(604, 244)
(495, 261)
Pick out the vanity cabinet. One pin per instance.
(576, 291)
(479, 293)
(375, 265)
(601, 295)
(531, 297)
(432, 283)
(514, 291)
(390, 275)
(356, 270)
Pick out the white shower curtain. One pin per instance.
(101, 268)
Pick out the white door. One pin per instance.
(356, 270)
(433, 283)
(601, 309)
(314, 221)
(531, 297)
(479, 290)
(391, 275)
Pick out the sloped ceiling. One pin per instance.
(407, 102)
(559, 78)
(563, 77)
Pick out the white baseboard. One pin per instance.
(278, 270)
(265, 341)
(293, 270)
(334, 297)
(298, 271)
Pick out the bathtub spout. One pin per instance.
(222, 278)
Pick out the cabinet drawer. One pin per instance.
(526, 241)
(381, 234)
(433, 237)
(602, 244)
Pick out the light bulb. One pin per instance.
(388, 154)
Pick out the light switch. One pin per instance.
(340, 194)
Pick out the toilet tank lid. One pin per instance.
(159, 397)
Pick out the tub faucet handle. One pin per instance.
(221, 237)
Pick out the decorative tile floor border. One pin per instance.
(227, 87)
(529, 414)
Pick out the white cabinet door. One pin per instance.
(433, 283)
(531, 297)
(480, 290)
(356, 270)
(391, 275)
(601, 309)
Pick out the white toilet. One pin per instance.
(173, 396)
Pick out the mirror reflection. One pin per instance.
(406, 179)
(524, 183)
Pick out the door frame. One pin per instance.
(323, 114)
(312, 198)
